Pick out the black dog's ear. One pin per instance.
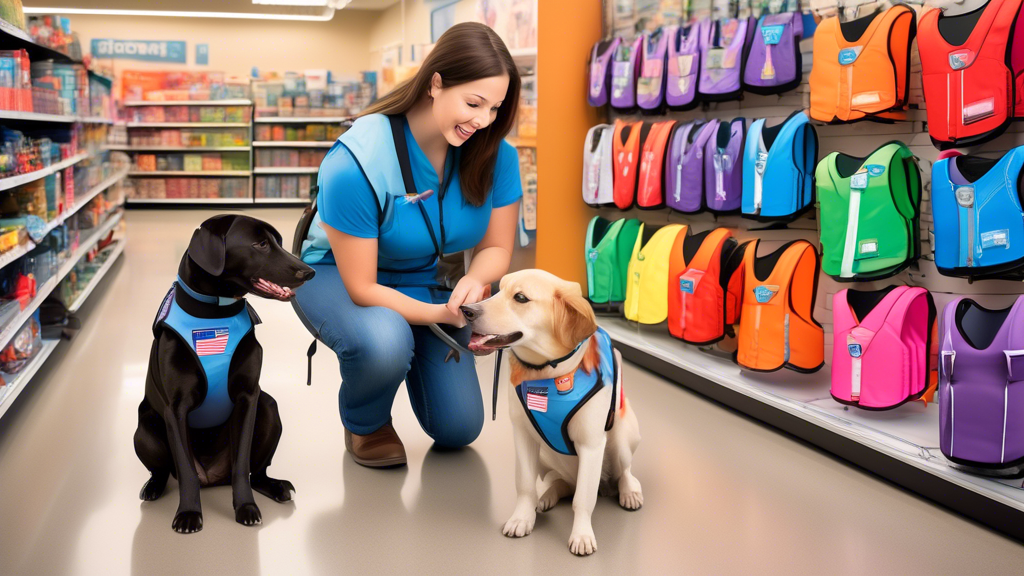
(207, 247)
(276, 234)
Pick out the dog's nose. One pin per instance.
(306, 274)
(469, 313)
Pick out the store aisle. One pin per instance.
(723, 494)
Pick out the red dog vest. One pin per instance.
(650, 190)
(626, 145)
(968, 68)
(705, 285)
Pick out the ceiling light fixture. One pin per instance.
(336, 4)
(327, 14)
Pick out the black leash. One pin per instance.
(494, 389)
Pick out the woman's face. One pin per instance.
(462, 110)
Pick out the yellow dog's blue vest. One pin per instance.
(212, 329)
(550, 410)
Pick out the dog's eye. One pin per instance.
(521, 298)
(261, 245)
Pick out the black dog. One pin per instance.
(204, 418)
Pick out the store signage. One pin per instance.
(202, 54)
(148, 50)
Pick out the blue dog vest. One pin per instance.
(213, 339)
(550, 410)
(784, 156)
(979, 224)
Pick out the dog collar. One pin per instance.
(205, 298)
(552, 363)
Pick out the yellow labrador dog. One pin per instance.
(574, 429)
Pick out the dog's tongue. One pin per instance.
(478, 342)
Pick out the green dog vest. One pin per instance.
(869, 213)
(609, 247)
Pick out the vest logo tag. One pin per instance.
(961, 59)
(537, 398)
(210, 341)
(764, 293)
(994, 238)
(686, 285)
(772, 34)
(564, 383)
(965, 196)
(855, 350)
(849, 55)
(875, 169)
(592, 255)
(859, 180)
(868, 248)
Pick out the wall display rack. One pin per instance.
(901, 445)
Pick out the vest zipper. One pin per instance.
(970, 234)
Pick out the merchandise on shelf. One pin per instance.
(188, 188)
(871, 205)
(12, 12)
(298, 132)
(54, 32)
(650, 86)
(649, 193)
(601, 71)
(198, 162)
(866, 77)
(597, 166)
(785, 156)
(27, 342)
(15, 81)
(168, 86)
(773, 63)
(684, 172)
(609, 246)
(881, 343)
(979, 223)
(723, 167)
(189, 137)
(777, 328)
(289, 157)
(683, 66)
(238, 114)
(72, 286)
(284, 186)
(647, 277)
(705, 286)
(101, 103)
(722, 53)
(528, 176)
(627, 142)
(625, 71)
(70, 83)
(314, 93)
(981, 405)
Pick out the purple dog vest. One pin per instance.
(723, 163)
(721, 59)
(683, 65)
(684, 166)
(981, 384)
(650, 88)
(625, 70)
(773, 64)
(600, 71)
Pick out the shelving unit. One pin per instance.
(107, 265)
(270, 183)
(282, 200)
(292, 144)
(16, 386)
(186, 173)
(286, 170)
(186, 125)
(300, 119)
(15, 181)
(230, 102)
(143, 148)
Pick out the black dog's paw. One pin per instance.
(248, 515)
(154, 487)
(187, 522)
(276, 490)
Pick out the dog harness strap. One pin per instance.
(552, 363)
(551, 403)
(212, 340)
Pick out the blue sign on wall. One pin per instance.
(148, 50)
(202, 54)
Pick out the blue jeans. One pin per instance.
(377, 349)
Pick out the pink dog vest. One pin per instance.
(880, 361)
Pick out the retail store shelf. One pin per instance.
(15, 386)
(187, 124)
(36, 117)
(285, 170)
(900, 445)
(142, 148)
(183, 173)
(42, 291)
(96, 120)
(300, 120)
(85, 198)
(85, 245)
(14, 181)
(15, 253)
(292, 144)
(107, 265)
(15, 38)
(282, 200)
(245, 200)
(235, 102)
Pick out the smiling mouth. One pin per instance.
(481, 344)
(268, 289)
(463, 132)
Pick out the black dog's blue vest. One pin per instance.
(212, 328)
(550, 410)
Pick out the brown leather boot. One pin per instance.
(379, 449)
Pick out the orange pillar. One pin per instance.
(566, 29)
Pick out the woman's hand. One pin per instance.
(446, 316)
(469, 290)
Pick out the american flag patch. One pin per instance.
(537, 398)
(210, 341)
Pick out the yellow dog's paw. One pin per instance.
(583, 544)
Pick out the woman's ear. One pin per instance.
(573, 318)
(435, 84)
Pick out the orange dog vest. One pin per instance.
(627, 143)
(650, 189)
(861, 68)
(705, 284)
(776, 326)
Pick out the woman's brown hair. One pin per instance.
(464, 53)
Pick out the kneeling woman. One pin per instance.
(377, 237)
